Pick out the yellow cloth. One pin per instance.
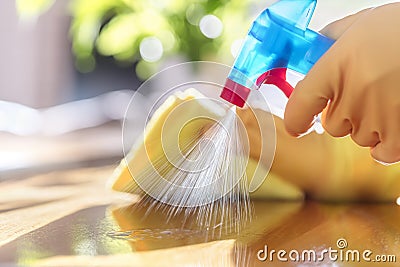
(318, 166)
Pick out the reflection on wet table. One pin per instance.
(77, 222)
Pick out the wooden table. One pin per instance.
(69, 218)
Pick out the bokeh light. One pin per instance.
(211, 26)
(151, 49)
(398, 201)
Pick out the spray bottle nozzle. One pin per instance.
(278, 40)
(235, 93)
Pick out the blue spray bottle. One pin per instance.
(278, 40)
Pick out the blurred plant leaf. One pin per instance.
(117, 27)
(28, 9)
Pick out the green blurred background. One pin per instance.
(146, 32)
(56, 51)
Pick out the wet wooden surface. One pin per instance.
(69, 218)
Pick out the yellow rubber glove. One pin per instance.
(323, 167)
(356, 84)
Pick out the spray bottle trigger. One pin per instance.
(276, 77)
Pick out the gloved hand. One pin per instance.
(356, 84)
(323, 167)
